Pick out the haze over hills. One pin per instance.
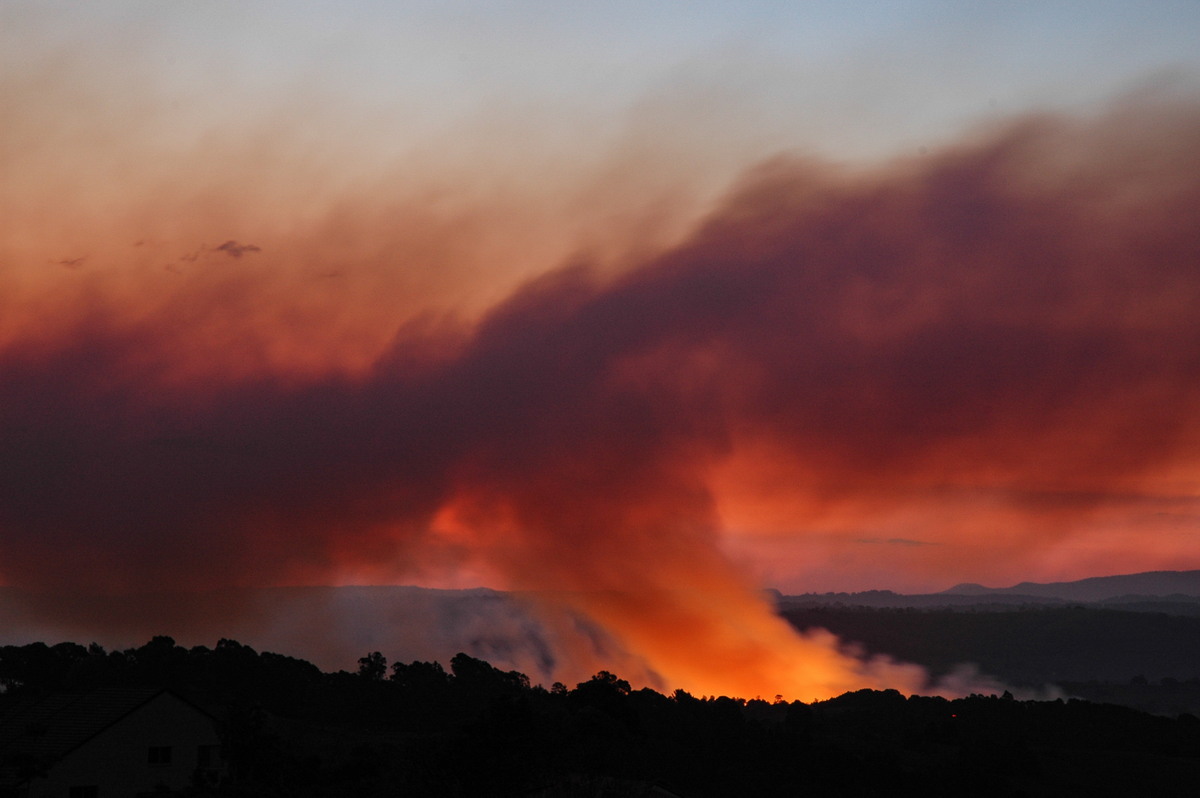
(332, 626)
(328, 626)
(1126, 633)
(1131, 639)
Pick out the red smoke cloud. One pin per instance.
(996, 346)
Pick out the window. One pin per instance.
(83, 791)
(159, 755)
(207, 756)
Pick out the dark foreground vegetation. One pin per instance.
(418, 729)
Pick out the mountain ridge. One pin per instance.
(1173, 592)
(1147, 584)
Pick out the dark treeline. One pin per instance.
(1033, 646)
(1146, 660)
(473, 729)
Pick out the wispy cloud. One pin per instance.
(235, 250)
(895, 542)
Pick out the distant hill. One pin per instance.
(1151, 584)
(329, 626)
(1132, 639)
(334, 626)
(886, 599)
(1169, 592)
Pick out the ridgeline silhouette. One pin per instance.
(288, 728)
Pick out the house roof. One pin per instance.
(44, 730)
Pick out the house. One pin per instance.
(106, 743)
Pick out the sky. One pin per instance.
(639, 307)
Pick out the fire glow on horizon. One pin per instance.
(980, 363)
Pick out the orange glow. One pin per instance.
(982, 366)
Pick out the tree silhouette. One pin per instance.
(373, 667)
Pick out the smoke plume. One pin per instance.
(995, 344)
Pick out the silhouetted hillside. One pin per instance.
(1034, 646)
(1150, 661)
(1175, 592)
(329, 626)
(1132, 640)
(472, 729)
(1097, 588)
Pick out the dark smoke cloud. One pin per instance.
(1015, 315)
